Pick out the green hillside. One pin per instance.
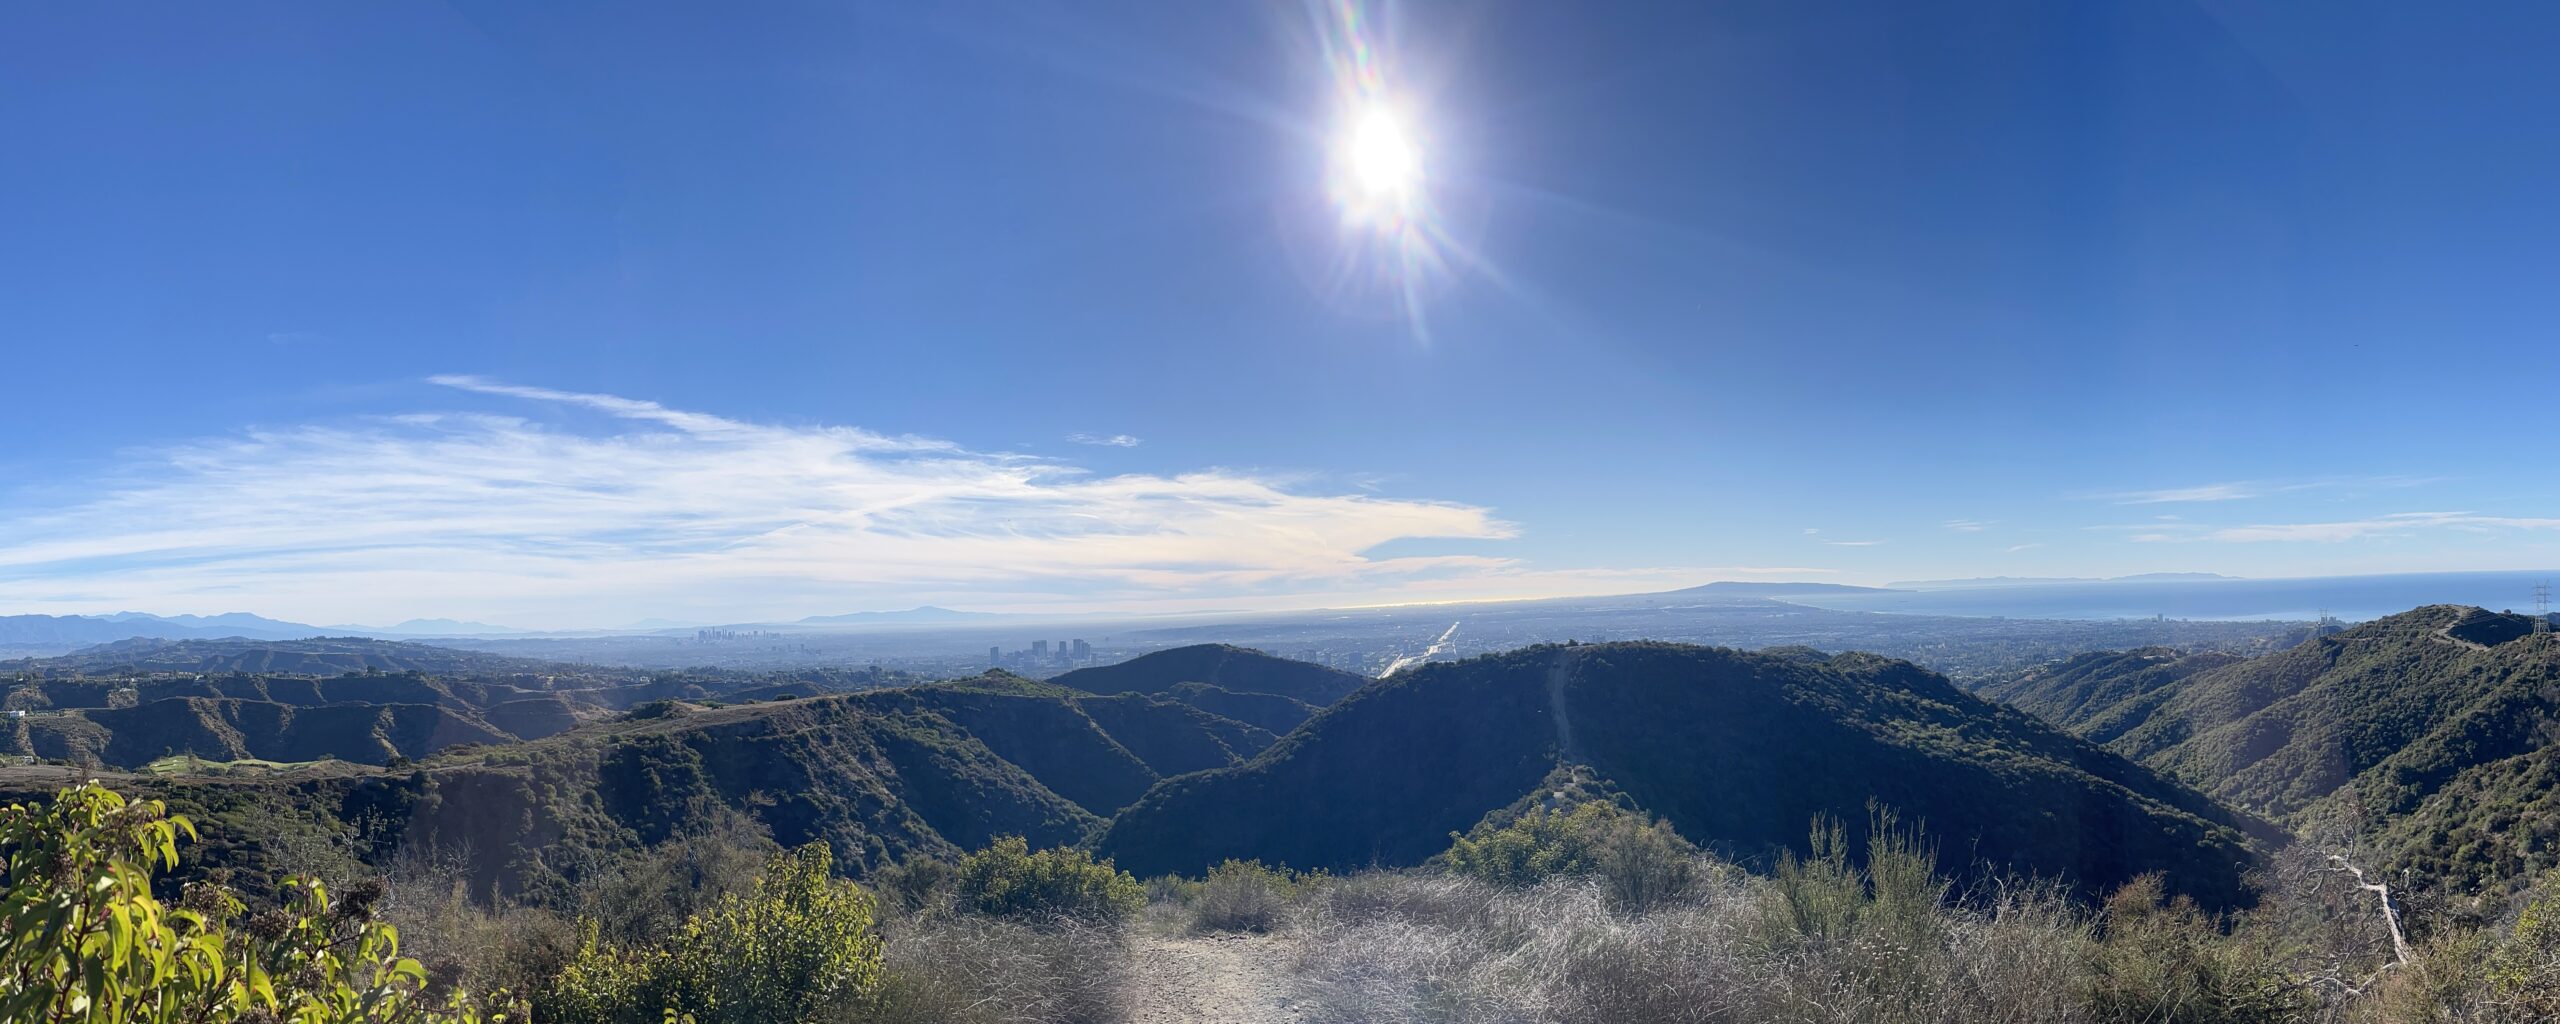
(1736, 750)
(2073, 692)
(126, 705)
(883, 775)
(222, 729)
(1268, 711)
(2429, 731)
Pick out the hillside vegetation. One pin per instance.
(1230, 668)
(2429, 733)
(881, 776)
(1735, 750)
(367, 701)
(1627, 833)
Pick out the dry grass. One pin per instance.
(1390, 949)
(974, 969)
(1241, 896)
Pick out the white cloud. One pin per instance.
(1105, 440)
(1812, 531)
(1969, 525)
(2235, 491)
(640, 509)
(2242, 490)
(2015, 548)
(2396, 523)
(1853, 543)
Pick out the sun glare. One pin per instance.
(1382, 173)
(1384, 163)
(1378, 168)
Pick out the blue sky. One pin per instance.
(570, 314)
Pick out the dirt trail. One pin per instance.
(1210, 979)
(2445, 636)
(1559, 673)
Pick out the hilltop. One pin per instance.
(1736, 750)
(1233, 669)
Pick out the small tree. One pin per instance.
(82, 938)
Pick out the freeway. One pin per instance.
(1446, 641)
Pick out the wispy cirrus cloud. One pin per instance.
(2243, 490)
(2392, 524)
(1105, 440)
(1853, 543)
(623, 507)
(2235, 491)
(2395, 523)
(2030, 546)
(1969, 525)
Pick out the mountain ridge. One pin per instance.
(1383, 776)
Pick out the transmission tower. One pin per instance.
(2542, 607)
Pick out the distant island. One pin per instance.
(2026, 581)
(1754, 588)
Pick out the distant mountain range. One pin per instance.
(2194, 596)
(55, 634)
(64, 631)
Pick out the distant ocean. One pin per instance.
(2354, 598)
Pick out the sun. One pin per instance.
(1380, 154)
(1379, 167)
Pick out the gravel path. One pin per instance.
(1210, 979)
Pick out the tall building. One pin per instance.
(1039, 648)
(1084, 651)
(995, 656)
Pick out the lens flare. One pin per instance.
(1380, 178)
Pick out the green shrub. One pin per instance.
(916, 885)
(86, 941)
(1172, 889)
(1821, 898)
(801, 942)
(2163, 959)
(2524, 973)
(1641, 862)
(1007, 879)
